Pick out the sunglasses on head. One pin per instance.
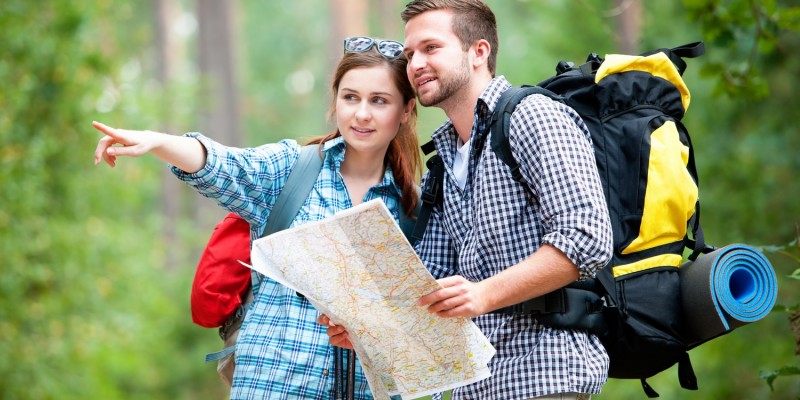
(360, 44)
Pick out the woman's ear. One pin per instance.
(407, 111)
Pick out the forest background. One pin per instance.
(94, 298)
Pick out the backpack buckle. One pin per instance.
(564, 66)
(233, 323)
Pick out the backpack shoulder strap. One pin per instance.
(408, 223)
(501, 121)
(295, 191)
(432, 193)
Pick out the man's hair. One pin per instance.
(472, 20)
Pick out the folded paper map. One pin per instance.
(359, 269)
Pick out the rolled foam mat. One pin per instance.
(725, 289)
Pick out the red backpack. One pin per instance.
(221, 283)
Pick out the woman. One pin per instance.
(282, 352)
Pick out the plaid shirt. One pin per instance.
(493, 223)
(281, 353)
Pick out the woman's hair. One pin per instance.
(472, 20)
(403, 153)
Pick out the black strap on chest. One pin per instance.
(432, 193)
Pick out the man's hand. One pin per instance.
(458, 298)
(337, 335)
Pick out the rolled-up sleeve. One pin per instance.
(245, 181)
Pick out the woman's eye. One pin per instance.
(379, 100)
(349, 97)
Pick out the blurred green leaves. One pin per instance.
(88, 308)
(753, 31)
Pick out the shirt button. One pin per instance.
(324, 372)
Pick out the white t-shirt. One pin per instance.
(461, 162)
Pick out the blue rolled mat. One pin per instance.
(725, 289)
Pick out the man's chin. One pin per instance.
(428, 99)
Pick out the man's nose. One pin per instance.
(416, 63)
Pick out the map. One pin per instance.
(358, 268)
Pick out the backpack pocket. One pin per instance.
(655, 190)
(647, 335)
(670, 192)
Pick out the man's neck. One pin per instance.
(462, 111)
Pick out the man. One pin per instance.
(494, 243)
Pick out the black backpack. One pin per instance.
(632, 106)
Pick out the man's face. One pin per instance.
(438, 67)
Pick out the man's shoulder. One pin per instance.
(538, 105)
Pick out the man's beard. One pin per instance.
(448, 85)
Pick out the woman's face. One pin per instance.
(369, 110)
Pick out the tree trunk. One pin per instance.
(167, 48)
(391, 24)
(629, 23)
(349, 19)
(219, 118)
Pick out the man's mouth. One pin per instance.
(423, 82)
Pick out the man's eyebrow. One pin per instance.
(421, 42)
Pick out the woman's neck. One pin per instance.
(361, 172)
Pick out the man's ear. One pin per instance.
(480, 50)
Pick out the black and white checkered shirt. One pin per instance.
(493, 224)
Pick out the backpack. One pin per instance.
(221, 282)
(221, 288)
(632, 106)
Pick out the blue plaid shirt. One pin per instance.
(281, 353)
(493, 223)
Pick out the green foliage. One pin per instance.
(754, 31)
(770, 376)
(89, 310)
(747, 175)
(791, 251)
(287, 75)
(86, 308)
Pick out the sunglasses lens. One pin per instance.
(358, 44)
(390, 48)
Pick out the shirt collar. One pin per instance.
(334, 150)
